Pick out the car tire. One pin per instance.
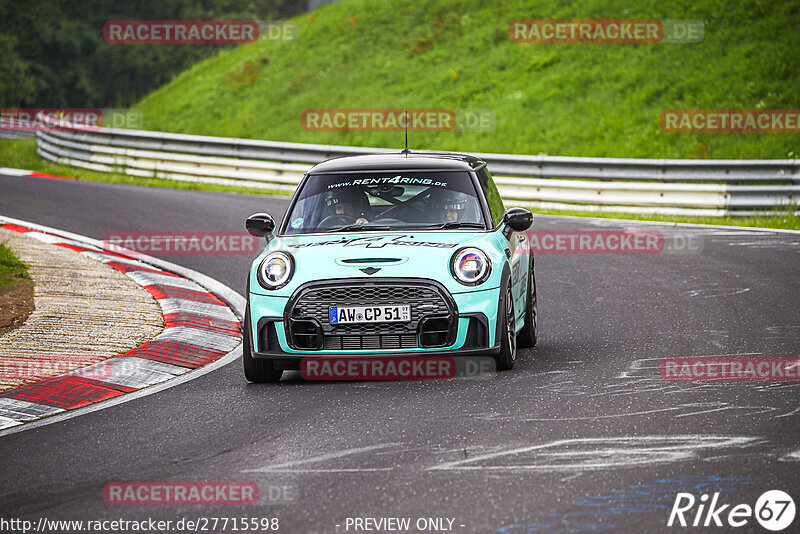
(527, 336)
(258, 371)
(508, 337)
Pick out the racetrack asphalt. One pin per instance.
(581, 436)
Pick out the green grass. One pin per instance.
(12, 269)
(559, 99)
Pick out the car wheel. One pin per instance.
(527, 336)
(258, 371)
(508, 338)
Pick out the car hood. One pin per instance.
(378, 255)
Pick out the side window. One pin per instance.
(492, 196)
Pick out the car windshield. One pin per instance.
(386, 201)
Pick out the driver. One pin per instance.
(347, 203)
(451, 206)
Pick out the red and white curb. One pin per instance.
(200, 331)
(33, 174)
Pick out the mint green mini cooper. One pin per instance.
(409, 254)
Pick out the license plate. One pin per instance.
(369, 314)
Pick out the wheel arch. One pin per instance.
(505, 279)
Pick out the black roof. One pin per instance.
(419, 161)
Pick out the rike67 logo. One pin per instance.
(774, 510)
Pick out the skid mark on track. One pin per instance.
(791, 457)
(569, 456)
(650, 366)
(716, 292)
(639, 364)
(677, 411)
(563, 389)
(714, 407)
(571, 477)
(775, 386)
(599, 453)
(796, 410)
(777, 242)
(783, 332)
(293, 465)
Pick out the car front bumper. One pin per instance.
(274, 322)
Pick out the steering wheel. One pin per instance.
(336, 220)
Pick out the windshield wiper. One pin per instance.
(357, 227)
(454, 224)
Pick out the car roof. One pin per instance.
(417, 161)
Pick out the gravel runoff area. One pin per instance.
(85, 312)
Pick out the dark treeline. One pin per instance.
(52, 52)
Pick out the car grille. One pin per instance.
(406, 341)
(312, 302)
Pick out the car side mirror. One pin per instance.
(519, 219)
(260, 224)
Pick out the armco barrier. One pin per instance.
(663, 186)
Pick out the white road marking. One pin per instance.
(728, 407)
(289, 466)
(716, 292)
(601, 453)
(796, 410)
(637, 365)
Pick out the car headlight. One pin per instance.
(276, 270)
(470, 266)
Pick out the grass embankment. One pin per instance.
(12, 269)
(16, 290)
(565, 99)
